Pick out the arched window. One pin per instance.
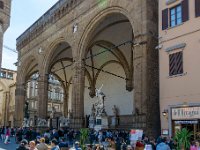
(1, 5)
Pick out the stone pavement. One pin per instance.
(11, 146)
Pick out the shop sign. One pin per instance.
(185, 113)
(187, 122)
(136, 135)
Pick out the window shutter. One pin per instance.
(185, 10)
(197, 8)
(1, 5)
(164, 19)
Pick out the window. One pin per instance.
(197, 8)
(175, 16)
(1, 5)
(176, 63)
(10, 76)
(3, 74)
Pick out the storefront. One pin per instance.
(186, 117)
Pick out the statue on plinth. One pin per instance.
(115, 116)
(26, 114)
(52, 112)
(99, 105)
(92, 117)
(101, 118)
(115, 111)
(26, 122)
(69, 114)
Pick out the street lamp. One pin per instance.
(165, 113)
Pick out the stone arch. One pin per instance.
(117, 53)
(50, 52)
(85, 38)
(58, 55)
(27, 68)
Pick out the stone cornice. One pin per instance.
(60, 9)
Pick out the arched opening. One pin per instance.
(109, 62)
(60, 68)
(55, 97)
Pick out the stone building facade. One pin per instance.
(5, 6)
(89, 43)
(7, 96)
(179, 66)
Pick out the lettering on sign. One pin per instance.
(187, 122)
(185, 113)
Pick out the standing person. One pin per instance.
(54, 144)
(23, 145)
(42, 145)
(163, 145)
(112, 145)
(193, 146)
(32, 145)
(7, 135)
(197, 145)
(3, 133)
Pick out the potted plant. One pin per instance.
(84, 133)
(182, 139)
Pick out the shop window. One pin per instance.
(176, 63)
(1, 5)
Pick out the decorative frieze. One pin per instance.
(170, 1)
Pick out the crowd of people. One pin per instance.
(64, 139)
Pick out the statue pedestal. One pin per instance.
(113, 121)
(101, 123)
(92, 122)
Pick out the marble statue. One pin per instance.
(115, 111)
(93, 110)
(52, 112)
(115, 120)
(99, 105)
(26, 114)
(25, 123)
(41, 122)
(64, 122)
(69, 114)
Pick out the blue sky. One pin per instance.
(23, 14)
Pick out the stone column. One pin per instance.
(146, 89)
(78, 95)
(42, 96)
(19, 104)
(1, 42)
(65, 105)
